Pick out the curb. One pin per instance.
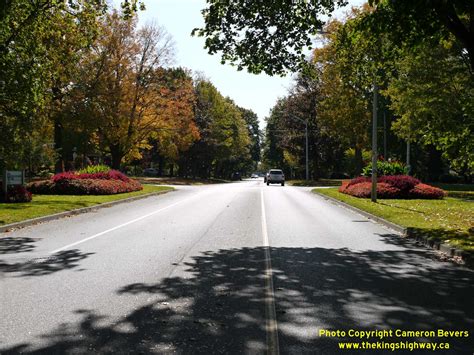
(51, 217)
(399, 229)
(445, 248)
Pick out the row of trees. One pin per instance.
(420, 52)
(81, 83)
(427, 99)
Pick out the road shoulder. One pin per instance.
(55, 216)
(447, 249)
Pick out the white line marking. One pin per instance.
(119, 226)
(270, 313)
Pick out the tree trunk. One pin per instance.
(58, 145)
(358, 161)
(161, 162)
(171, 170)
(117, 156)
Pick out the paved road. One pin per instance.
(232, 268)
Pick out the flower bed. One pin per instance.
(18, 193)
(393, 187)
(109, 175)
(101, 183)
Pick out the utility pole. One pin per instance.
(408, 157)
(307, 159)
(306, 143)
(373, 195)
(385, 134)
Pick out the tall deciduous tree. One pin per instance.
(345, 72)
(224, 146)
(264, 36)
(40, 41)
(126, 83)
(255, 135)
(417, 21)
(175, 105)
(433, 97)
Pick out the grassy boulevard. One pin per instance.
(449, 220)
(43, 205)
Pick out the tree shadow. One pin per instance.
(12, 245)
(460, 239)
(462, 195)
(215, 303)
(65, 260)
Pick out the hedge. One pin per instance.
(423, 191)
(84, 187)
(109, 175)
(18, 193)
(392, 186)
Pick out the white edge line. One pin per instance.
(117, 227)
(270, 312)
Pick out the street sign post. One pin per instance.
(15, 177)
(12, 177)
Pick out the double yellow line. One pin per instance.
(270, 312)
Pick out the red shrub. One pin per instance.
(385, 190)
(402, 182)
(84, 187)
(361, 189)
(18, 193)
(364, 190)
(109, 175)
(41, 187)
(424, 191)
(358, 180)
(343, 187)
(68, 175)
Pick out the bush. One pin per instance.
(84, 187)
(344, 185)
(93, 169)
(18, 193)
(364, 190)
(423, 191)
(338, 175)
(385, 167)
(449, 179)
(348, 162)
(109, 175)
(398, 186)
(402, 182)
(358, 180)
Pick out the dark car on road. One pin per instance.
(236, 176)
(150, 172)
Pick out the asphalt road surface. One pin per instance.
(231, 268)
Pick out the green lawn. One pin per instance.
(320, 182)
(177, 180)
(43, 205)
(457, 190)
(448, 220)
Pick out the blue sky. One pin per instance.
(256, 92)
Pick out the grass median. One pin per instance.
(320, 182)
(450, 220)
(177, 180)
(44, 205)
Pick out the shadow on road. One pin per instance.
(65, 260)
(12, 245)
(215, 303)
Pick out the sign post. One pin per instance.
(12, 177)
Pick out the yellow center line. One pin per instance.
(270, 313)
